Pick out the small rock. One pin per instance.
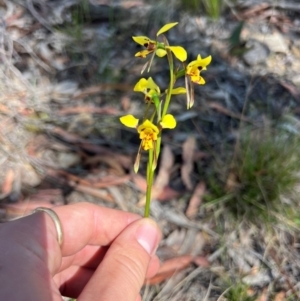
(63, 91)
(296, 80)
(66, 160)
(259, 279)
(257, 54)
(29, 176)
(276, 43)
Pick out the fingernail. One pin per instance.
(147, 235)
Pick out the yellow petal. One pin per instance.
(179, 90)
(143, 53)
(179, 52)
(147, 124)
(168, 122)
(161, 52)
(206, 61)
(191, 65)
(141, 85)
(129, 121)
(166, 28)
(142, 40)
(152, 85)
(197, 79)
(199, 62)
(147, 144)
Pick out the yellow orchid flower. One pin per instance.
(148, 132)
(159, 48)
(148, 87)
(193, 74)
(194, 69)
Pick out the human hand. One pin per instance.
(106, 255)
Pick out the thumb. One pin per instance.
(121, 274)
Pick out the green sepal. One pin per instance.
(180, 73)
(156, 102)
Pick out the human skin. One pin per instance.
(106, 255)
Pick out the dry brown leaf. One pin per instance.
(201, 261)
(199, 155)
(140, 182)
(111, 181)
(66, 136)
(108, 159)
(67, 176)
(46, 195)
(253, 11)
(295, 91)
(8, 182)
(92, 110)
(196, 200)
(174, 241)
(225, 111)
(12, 16)
(170, 267)
(175, 264)
(263, 296)
(124, 160)
(4, 109)
(125, 103)
(101, 88)
(25, 207)
(280, 296)
(76, 139)
(163, 177)
(81, 185)
(188, 150)
(118, 197)
(98, 193)
(167, 194)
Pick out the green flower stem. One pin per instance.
(169, 94)
(158, 144)
(150, 175)
(150, 169)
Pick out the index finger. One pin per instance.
(89, 224)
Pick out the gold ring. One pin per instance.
(56, 220)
